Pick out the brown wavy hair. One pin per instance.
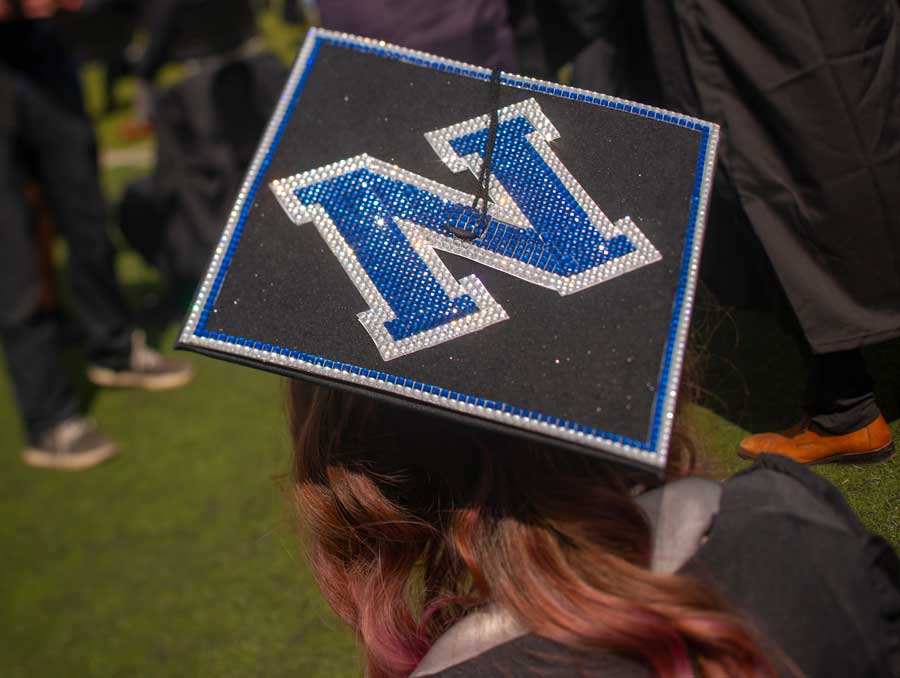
(411, 520)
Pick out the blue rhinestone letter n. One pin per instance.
(384, 224)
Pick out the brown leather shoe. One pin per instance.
(804, 445)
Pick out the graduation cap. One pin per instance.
(510, 252)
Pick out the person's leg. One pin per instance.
(841, 399)
(31, 342)
(843, 422)
(62, 146)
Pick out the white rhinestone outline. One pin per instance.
(654, 458)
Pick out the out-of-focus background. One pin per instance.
(180, 557)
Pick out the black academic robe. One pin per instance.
(784, 549)
(808, 96)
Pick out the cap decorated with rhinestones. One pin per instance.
(512, 253)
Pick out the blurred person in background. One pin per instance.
(808, 98)
(604, 42)
(807, 211)
(473, 31)
(103, 32)
(207, 126)
(46, 137)
(186, 32)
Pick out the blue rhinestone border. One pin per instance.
(651, 452)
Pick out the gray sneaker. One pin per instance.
(71, 445)
(148, 369)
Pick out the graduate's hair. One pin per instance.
(411, 520)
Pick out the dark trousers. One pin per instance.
(840, 397)
(56, 147)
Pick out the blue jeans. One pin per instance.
(46, 142)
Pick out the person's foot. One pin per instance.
(805, 445)
(71, 445)
(147, 369)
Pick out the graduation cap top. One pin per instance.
(358, 254)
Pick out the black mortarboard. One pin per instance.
(358, 253)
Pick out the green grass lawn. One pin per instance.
(179, 557)
(176, 559)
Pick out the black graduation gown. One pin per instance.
(784, 549)
(808, 96)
